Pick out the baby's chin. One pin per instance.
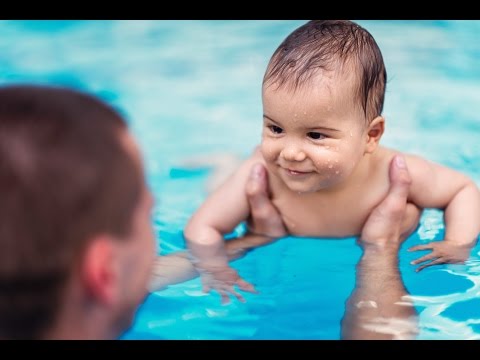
(302, 189)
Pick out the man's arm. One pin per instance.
(378, 308)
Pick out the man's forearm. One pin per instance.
(377, 308)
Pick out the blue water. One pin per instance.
(193, 88)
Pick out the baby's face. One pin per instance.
(313, 138)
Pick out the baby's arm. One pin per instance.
(176, 267)
(436, 186)
(219, 215)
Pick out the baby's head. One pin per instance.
(323, 95)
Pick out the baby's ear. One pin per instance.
(374, 132)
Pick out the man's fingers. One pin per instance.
(421, 247)
(264, 216)
(424, 258)
(257, 192)
(256, 183)
(395, 202)
(400, 179)
(385, 220)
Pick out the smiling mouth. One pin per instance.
(297, 173)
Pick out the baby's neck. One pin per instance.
(357, 178)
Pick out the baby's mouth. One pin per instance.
(297, 173)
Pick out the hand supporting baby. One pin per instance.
(265, 226)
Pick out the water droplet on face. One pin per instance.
(330, 166)
(336, 160)
(351, 133)
(337, 172)
(327, 147)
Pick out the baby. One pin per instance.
(323, 94)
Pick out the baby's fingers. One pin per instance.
(236, 294)
(421, 247)
(427, 257)
(206, 288)
(246, 286)
(431, 263)
(225, 299)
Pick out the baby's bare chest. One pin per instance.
(312, 215)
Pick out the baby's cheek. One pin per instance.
(328, 167)
(326, 159)
(331, 167)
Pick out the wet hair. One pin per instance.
(65, 176)
(327, 45)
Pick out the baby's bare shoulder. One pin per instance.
(384, 156)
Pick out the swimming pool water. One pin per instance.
(193, 88)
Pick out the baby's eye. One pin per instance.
(315, 135)
(275, 129)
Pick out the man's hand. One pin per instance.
(378, 279)
(264, 219)
(265, 224)
(384, 225)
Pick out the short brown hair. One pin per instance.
(322, 44)
(64, 177)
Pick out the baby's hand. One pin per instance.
(223, 279)
(443, 252)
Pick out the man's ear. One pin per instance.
(99, 270)
(374, 132)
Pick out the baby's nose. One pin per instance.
(293, 153)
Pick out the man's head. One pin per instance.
(323, 95)
(75, 235)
